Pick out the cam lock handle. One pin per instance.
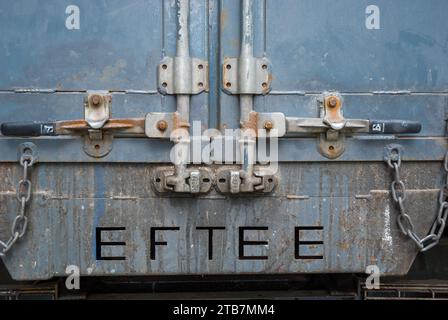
(28, 129)
(56, 128)
(332, 118)
(394, 126)
(377, 127)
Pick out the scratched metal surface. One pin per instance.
(350, 201)
(399, 71)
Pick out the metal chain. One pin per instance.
(23, 193)
(404, 221)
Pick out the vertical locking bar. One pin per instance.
(183, 100)
(183, 76)
(248, 118)
(248, 76)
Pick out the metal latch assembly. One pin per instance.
(193, 180)
(332, 127)
(182, 76)
(97, 127)
(97, 111)
(234, 180)
(247, 76)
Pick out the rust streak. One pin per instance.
(136, 124)
(252, 123)
(333, 109)
(178, 122)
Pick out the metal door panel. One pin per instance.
(325, 45)
(116, 47)
(155, 151)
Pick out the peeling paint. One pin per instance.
(387, 237)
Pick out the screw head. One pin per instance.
(96, 99)
(162, 125)
(268, 125)
(333, 102)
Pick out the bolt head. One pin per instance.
(96, 99)
(162, 125)
(268, 125)
(332, 102)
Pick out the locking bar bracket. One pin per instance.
(247, 75)
(97, 108)
(162, 124)
(97, 111)
(332, 142)
(272, 124)
(182, 75)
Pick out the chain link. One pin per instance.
(23, 193)
(404, 221)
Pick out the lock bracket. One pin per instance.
(97, 111)
(197, 180)
(233, 180)
(332, 142)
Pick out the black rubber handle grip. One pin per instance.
(28, 129)
(394, 126)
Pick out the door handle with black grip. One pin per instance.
(56, 128)
(317, 125)
(394, 126)
(28, 129)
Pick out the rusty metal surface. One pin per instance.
(351, 202)
(130, 126)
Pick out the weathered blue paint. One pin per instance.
(348, 200)
(41, 52)
(99, 204)
(214, 18)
